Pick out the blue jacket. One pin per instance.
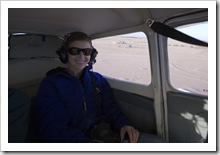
(66, 110)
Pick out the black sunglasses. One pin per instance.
(76, 51)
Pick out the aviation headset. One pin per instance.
(75, 36)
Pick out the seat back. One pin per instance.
(18, 116)
(21, 126)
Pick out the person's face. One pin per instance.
(79, 62)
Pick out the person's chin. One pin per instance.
(81, 66)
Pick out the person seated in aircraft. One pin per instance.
(75, 104)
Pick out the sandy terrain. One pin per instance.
(188, 64)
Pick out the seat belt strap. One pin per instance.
(170, 32)
(95, 90)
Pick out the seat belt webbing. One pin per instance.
(170, 32)
(96, 91)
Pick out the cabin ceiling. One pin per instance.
(60, 21)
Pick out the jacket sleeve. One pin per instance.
(111, 108)
(52, 119)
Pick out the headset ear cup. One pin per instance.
(93, 56)
(62, 54)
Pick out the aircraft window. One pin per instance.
(124, 57)
(188, 64)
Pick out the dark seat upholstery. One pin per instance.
(20, 118)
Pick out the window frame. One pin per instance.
(163, 47)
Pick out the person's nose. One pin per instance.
(81, 54)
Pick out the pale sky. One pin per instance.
(199, 31)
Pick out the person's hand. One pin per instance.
(133, 134)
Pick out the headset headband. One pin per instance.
(63, 52)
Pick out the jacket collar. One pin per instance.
(62, 70)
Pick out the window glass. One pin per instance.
(124, 57)
(188, 64)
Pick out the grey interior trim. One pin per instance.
(138, 109)
(187, 118)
